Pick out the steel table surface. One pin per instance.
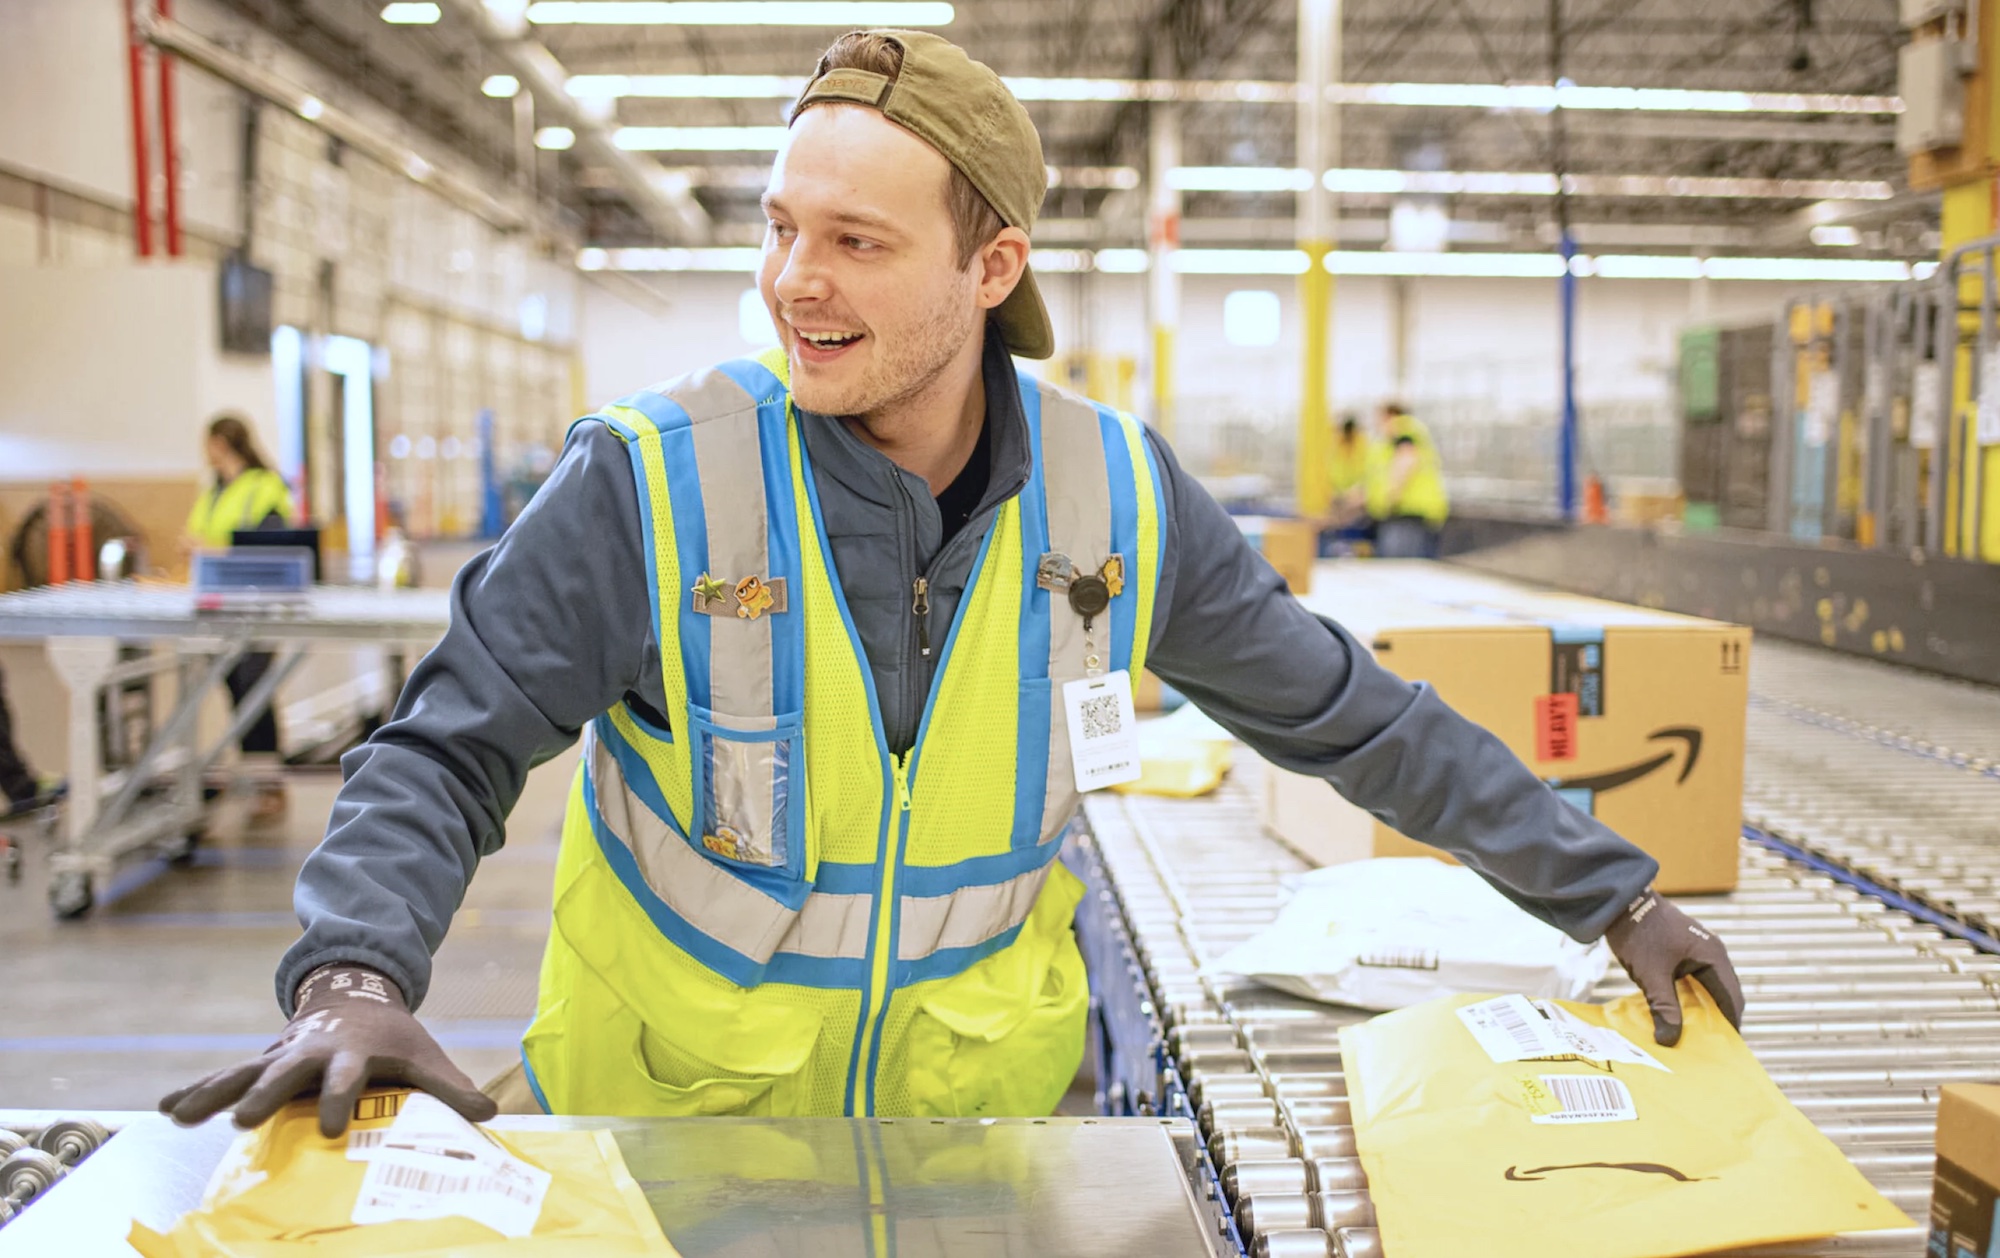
(760, 1187)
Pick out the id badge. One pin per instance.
(1103, 731)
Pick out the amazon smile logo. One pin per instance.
(1518, 1176)
(1687, 739)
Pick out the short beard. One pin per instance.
(906, 365)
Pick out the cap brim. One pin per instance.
(1024, 320)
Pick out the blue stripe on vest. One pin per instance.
(854, 878)
(782, 887)
(690, 531)
(783, 967)
(1031, 760)
(875, 723)
(951, 962)
(1124, 532)
(647, 531)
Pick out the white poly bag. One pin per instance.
(1395, 932)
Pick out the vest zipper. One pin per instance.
(883, 948)
(921, 606)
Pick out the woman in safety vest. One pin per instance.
(246, 494)
(1406, 494)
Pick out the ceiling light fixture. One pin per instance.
(411, 14)
(856, 13)
(1836, 235)
(500, 86)
(699, 139)
(555, 138)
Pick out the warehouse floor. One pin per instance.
(170, 976)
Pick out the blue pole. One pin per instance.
(491, 513)
(1566, 444)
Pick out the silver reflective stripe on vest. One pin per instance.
(1079, 496)
(709, 897)
(967, 916)
(729, 461)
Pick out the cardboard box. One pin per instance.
(1292, 546)
(1634, 716)
(1966, 1184)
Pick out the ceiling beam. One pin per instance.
(664, 201)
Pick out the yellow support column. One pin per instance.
(1966, 174)
(1315, 320)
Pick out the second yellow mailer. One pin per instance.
(1514, 1129)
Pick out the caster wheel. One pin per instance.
(70, 895)
(182, 852)
(28, 1174)
(71, 1140)
(11, 1143)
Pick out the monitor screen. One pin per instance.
(246, 306)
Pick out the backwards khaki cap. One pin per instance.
(962, 109)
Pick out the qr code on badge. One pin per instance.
(1101, 718)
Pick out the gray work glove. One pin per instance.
(1659, 945)
(351, 1027)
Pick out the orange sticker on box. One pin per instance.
(1555, 727)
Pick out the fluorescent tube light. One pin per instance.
(855, 13)
(699, 139)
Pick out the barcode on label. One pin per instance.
(366, 1139)
(1399, 959)
(1583, 1099)
(1526, 1036)
(396, 1175)
(1101, 718)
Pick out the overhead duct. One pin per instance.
(662, 197)
(195, 49)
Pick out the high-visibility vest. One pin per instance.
(1423, 493)
(243, 503)
(1348, 465)
(760, 910)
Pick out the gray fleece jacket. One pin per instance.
(551, 627)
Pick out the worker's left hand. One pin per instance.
(1659, 945)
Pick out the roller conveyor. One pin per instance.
(1858, 1011)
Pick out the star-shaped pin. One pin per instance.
(708, 589)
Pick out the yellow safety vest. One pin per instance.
(243, 503)
(1423, 493)
(1349, 464)
(760, 910)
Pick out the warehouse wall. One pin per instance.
(463, 318)
(1479, 360)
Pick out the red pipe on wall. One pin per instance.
(142, 175)
(169, 139)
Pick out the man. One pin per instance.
(823, 615)
(1347, 476)
(1405, 491)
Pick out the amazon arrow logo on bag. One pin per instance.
(1582, 792)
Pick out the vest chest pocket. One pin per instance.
(749, 789)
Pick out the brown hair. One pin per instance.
(974, 221)
(236, 435)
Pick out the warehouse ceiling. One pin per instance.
(431, 75)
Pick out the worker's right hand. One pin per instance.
(352, 1028)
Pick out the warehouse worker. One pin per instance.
(1406, 495)
(246, 494)
(1346, 516)
(825, 620)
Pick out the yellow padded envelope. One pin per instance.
(1627, 1161)
(285, 1191)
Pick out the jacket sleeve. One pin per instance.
(1306, 696)
(548, 629)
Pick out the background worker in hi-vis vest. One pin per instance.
(845, 630)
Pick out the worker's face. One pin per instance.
(860, 268)
(220, 457)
